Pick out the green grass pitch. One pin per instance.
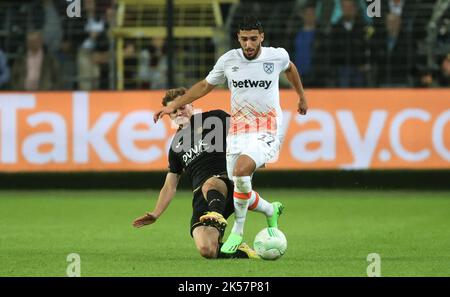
(329, 232)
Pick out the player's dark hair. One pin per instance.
(249, 23)
(172, 94)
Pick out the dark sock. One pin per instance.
(238, 254)
(216, 201)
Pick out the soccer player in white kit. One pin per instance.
(254, 138)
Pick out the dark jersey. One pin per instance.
(200, 149)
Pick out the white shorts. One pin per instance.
(261, 147)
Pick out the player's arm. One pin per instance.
(165, 196)
(294, 78)
(197, 91)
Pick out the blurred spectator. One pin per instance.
(307, 47)
(444, 73)
(414, 15)
(324, 12)
(158, 64)
(93, 54)
(102, 47)
(404, 9)
(17, 18)
(396, 6)
(4, 70)
(67, 62)
(145, 64)
(35, 69)
(130, 63)
(390, 48)
(337, 12)
(347, 47)
(442, 43)
(424, 77)
(74, 28)
(52, 28)
(329, 12)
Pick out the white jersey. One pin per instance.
(255, 96)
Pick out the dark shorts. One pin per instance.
(200, 206)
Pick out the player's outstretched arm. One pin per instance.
(165, 196)
(197, 91)
(294, 78)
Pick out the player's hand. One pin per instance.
(302, 107)
(147, 219)
(165, 110)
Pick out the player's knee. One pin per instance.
(214, 184)
(241, 171)
(244, 166)
(207, 186)
(208, 251)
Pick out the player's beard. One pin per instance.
(256, 53)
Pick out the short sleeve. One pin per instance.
(284, 58)
(217, 75)
(174, 163)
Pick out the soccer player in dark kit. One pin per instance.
(198, 149)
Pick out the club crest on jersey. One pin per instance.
(268, 67)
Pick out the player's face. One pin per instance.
(182, 115)
(250, 43)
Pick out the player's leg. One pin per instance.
(215, 192)
(242, 177)
(256, 203)
(243, 251)
(206, 240)
(272, 211)
(242, 172)
(258, 150)
(266, 149)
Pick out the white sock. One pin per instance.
(257, 203)
(241, 197)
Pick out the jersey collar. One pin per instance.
(241, 52)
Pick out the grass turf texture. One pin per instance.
(330, 233)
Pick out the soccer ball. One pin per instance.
(270, 243)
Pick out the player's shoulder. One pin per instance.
(276, 51)
(231, 54)
(217, 113)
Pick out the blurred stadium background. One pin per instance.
(79, 81)
(116, 45)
